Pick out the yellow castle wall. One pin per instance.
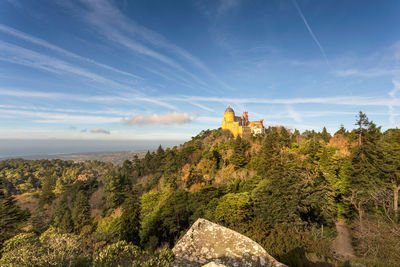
(230, 124)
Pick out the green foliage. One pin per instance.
(22, 250)
(162, 258)
(164, 217)
(12, 217)
(110, 228)
(239, 157)
(202, 204)
(29, 175)
(114, 186)
(121, 253)
(234, 210)
(290, 244)
(174, 216)
(155, 178)
(40, 221)
(81, 211)
(283, 189)
(342, 131)
(50, 249)
(47, 195)
(62, 216)
(378, 241)
(295, 194)
(269, 156)
(391, 157)
(130, 219)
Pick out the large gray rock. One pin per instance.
(207, 242)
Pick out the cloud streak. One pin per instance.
(43, 43)
(21, 56)
(125, 98)
(52, 117)
(164, 101)
(366, 73)
(100, 131)
(337, 100)
(311, 32)
(392, 94)
(116, 27)
(160, 119)
(296, 116)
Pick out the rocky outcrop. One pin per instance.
(209, 244)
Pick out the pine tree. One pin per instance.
(137, 168)
(366, 157)
(342, 131)
(114, 184)
(238, 158)
(270, 153)
(293, 194)
(47, 195)
(11, 216)
(127, 170)
(325, 135)
(160, 151)
(295, 136)
(81, 210)
(130, 218)
(365, 173)
(284, 137)
(362, 122)
(62, 216)
(391, 166)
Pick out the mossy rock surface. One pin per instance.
(207, 242)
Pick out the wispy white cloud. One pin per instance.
(100, 131)
(160, 119)
(337, 100)
(311, 32)
(315, 114)
(293, 114)
(164, 101)
(60, 50)
(35, 94)
(116, 27)
(370, 73)
(52, 117)
(156, 101)
(124, 98)
(392, 94)
(396, 51)
(18, 55)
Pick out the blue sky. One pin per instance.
(165, 70)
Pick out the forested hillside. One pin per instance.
(283, 189)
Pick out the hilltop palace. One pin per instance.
(241, 126)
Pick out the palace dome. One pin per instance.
(229, 109)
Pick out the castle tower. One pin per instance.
(229, 115)
(241, 126)
(229, 122)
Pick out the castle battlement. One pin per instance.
(241, 126)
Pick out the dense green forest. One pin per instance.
(283, 189)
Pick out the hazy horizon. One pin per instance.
(11, 148)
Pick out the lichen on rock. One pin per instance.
(206, 242)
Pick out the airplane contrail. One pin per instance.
(311, 32)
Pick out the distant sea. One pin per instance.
(18, 148)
